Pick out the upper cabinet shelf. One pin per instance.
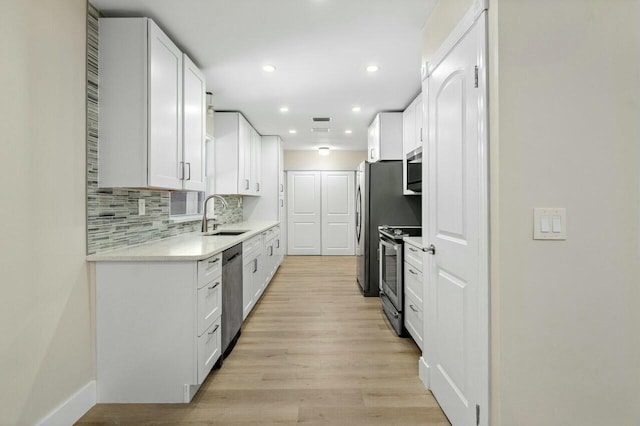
(152, 109)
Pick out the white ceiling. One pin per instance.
(319, 47)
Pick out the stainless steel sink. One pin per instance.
(225, 233)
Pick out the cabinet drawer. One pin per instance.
(209, 304)
(413, 319)
(209, 348)
(413, 282)
(250, 247)
(413, 255)
(209, 269)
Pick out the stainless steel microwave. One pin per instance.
(414, 170)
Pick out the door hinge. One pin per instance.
(476, 78)
(477, 405)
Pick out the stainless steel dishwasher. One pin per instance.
(231, 297)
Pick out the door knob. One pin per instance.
(431, 249)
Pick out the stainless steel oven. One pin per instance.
(391, 257)
(391, 263)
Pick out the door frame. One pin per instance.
(477, 11)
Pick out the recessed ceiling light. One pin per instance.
(356, 109)
(323, 150)
(268, 68)
(348, 132)
(293, 131)
(284, 109)
(372, 68)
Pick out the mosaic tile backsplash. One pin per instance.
(112, 213)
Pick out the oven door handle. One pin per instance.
(390, 245)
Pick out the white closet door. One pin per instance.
(304, 213)
(338, 214)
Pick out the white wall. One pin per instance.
(569, 87)
(45, 323)
(311, 160)
(564, 95)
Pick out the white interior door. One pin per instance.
(304, 213)
(338, 213)
(456, 307)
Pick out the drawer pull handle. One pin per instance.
(215, 260)
(215, 329)
(413, 308)
(214, 286)
(413, 250)
(412, 271)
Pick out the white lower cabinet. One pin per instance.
(251, 276)
(413, 291)
(158, 329)
(260, 263)
(209, 350)
(413, 319)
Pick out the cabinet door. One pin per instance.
(281, 176)
(256, 162)
(165, 111)
(374, 140)
(419, 118)
(247, 288)
(244, 156)
(194, 113)
(257, 280)
(409, 128)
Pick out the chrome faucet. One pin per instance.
(205, 220)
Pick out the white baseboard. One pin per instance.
(423, 372)
(73, 408)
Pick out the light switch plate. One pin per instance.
(549, 223)
(141, 207)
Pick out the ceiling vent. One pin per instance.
(320, 129)
(321, 119)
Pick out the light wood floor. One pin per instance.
(313, 352)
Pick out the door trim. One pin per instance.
(475, 13)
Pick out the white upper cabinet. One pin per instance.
(256, 162)
(412, 128)
(412, 135)
(385, 137)
(237, 155)
(266, 207)
(141, 142)
(194, 126)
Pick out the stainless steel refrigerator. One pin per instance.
(379, 201)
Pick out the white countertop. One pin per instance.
(414, 241)
(192, 246)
